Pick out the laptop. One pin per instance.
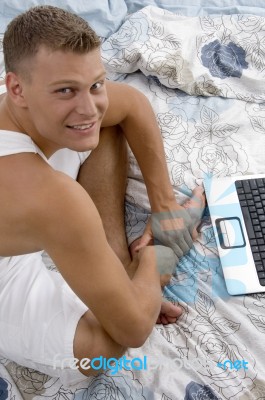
(237, 210)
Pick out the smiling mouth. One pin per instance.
(81, 127)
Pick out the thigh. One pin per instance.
(104, 176)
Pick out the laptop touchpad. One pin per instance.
(230, 233)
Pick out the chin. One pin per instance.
(90, 145)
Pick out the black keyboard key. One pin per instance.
(256, 257)
(261, 275)
(259, 267)
(255, 221)
(253, 242)
(262, 190)
(254, 215)
(255, 249)
(252, 209)
(251, 203)
(262, 224)
(260, 182)
(262, 282)
(259, 235)
(262, 254)
(238, 184)
(256, 199)
(260, 211)
(262, 248)
(255, 192)
(258, 205)
(262, 196)
(257, 228)
(246, 186)
(248, 223)
(241, 197)
(241, 191)
(253, 184)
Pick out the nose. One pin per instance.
(86, 104)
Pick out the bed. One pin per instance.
(212, 121)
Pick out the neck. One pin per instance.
(9, 118)
(15, 119)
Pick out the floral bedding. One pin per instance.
(205, 79)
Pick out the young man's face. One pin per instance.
(66, 100)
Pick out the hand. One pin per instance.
(176, 228)
(165, 259)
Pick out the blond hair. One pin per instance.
(50, 26)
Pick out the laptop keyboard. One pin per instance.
(251, 194)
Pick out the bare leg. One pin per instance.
(103, 175)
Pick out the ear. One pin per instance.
(14, 87)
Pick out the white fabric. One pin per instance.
(38, 316)
(14, 143)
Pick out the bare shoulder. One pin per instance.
(36, 202)
(123, 99)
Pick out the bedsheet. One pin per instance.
(210, 124)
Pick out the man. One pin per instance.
(57, 98)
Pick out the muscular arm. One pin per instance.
(132, 111)
(70, 230)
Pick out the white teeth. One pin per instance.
(81, 127)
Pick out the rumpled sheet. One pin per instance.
(217, 134)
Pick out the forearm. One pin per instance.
(143, 135)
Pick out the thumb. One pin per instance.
(145, 240)
(195, 207)
(194, 233)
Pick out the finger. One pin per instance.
(177, 250)
(133, 246)
(171, 320)
(198, 196)
(194, 234)
(164, 320)
(145, 240)
(196, 204)
(188, 238)
(171, 310)
(183, 245)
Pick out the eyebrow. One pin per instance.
(73, 82)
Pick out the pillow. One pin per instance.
(104, 16)
(193, 8)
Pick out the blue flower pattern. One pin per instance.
(224, 61)
(199, 392)
(3, 389)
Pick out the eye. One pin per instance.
(65, 90)
(97, 85)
